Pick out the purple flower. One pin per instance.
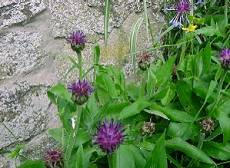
(182, 8)
(81, 90)
(77, 40)
(225, 58)
(109, 136)
(53, 158)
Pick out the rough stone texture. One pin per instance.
(69, 15)
(39, 145)
(17, 11)
(23, 111)
(34, 55)
(21, 55)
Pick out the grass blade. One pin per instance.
(146, 19)
(133, 40)
(106, 21)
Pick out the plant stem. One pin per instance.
(78, 120)
(219, 92)
(110, 160)
(80, 65)
(226, 12)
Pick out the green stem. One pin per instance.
(80, 65)
(110, 161)
(78, 120)
(219, 92)
(226, 12)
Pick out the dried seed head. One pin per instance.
(207, 125)
(148, 127)
(144, 60)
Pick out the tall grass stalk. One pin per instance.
(106, 21)
(133, 40)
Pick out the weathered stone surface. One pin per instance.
(69, 15)
(24, 107)
(17, 11)
(39, 145)
(6, 162)
(23, 110)
(20, 52)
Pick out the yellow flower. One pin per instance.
(190, 28)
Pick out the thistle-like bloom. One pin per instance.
(77, 40)
(54, 158)
(109, 136)
(81, 90)
(144, 60)
(225, 58)
(182, 8)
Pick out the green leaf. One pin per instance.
(17, 151)
(138, 156)
(184, 92)
(206, 56)
(59, 91)
(60, 135)
(157, 113)
(217, 150)
(189, 150)
(80, 157)
(223, 116)
(170, 94)
(180, 130)
(209, 31)
(158, 158)
(134, 108)
(202, 88)
(106, 89)
(113, 110)
(61, 97)
(173, 114)
(197, 65)
(123, 157)
(163, 74)
(32, 164)
(211, 89)
(96, 54)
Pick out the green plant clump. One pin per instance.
(174, 112)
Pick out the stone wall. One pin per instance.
(33, 56)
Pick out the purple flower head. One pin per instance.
(225, 58)
(109, 136)
(53, 158)
(77, 40)
(182, 8)
(81, 90)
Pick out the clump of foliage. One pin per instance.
(175, 114)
